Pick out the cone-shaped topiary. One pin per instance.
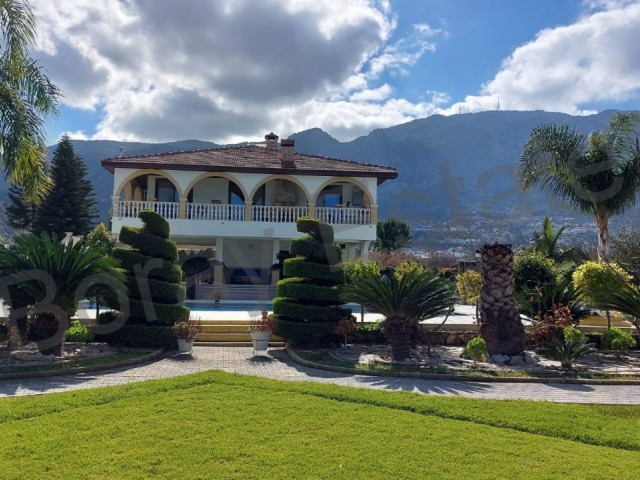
(153, 273)
(307, 305)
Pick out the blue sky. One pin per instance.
(232, 70)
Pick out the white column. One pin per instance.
(276, 249)
(219, 249)
(364, 250)
(151, 188)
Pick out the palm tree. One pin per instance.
(597, 174)
(27, 97)
(623, 297)
(42, 269)
(404, 298)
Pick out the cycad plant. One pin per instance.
(405, 298)
(623, 297)
(53, 278)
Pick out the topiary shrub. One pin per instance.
(592, 277)
(307, 305)
(160, 290)
(531, 269)
(78, 333)
(140, 336)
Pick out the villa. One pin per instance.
(243, 201)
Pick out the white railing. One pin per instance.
(278, 214)
(344, 216)
(211, 211)
(132, 208)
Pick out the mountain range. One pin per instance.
(450, 168)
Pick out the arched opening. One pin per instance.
(148, 191)
(343, 202)
(215, 198)
(279, 200)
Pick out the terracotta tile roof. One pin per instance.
(254, 159)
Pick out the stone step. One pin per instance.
(235, 344)
(225, 328)
(229, 337)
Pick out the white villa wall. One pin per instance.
(242, 253)
(209, 189)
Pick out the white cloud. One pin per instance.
(569, 67)
(225, 70)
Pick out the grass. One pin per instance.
(85, 362)
(218, 425)
(325, 359)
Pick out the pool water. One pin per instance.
(229, 306)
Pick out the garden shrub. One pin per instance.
(575, 345)
(476, 350)
(468, 285)
(79, 333)
(140, 336)
(617, 339)
(592, 276)
(149, 243)
(531, 269)
(307, 307)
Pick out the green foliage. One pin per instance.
(476, 350)
(20, 213)
(316, 252)
(392, 234)
(165, 314)
(79, 333)
(149, 245)
(140, 336)
(468, 285)
(625, 251)
(574, 346)
(167, 272)
(301, 289)
(27, 98)
(101, 237)
(70, 267)
(532, 269)
(154, 224)
(617, 339)
(322, 233)
(307, 300)
(353, 269)
(556, 159)
(162, 292)
(70, 206)
(592, 277)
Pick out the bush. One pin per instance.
(78, 333)
(300, 267)
(168, 272)
(476, 350)
(148, 244)
(317, 252)
(617, 339)
(302, 290)
(468, 285)
(140, 336)
(165, 314)
(284, 307)
(321, 232)
(162, 292)
(531, 269)
(575, 345)
(154, 224)
(306, 333)
(592, 277)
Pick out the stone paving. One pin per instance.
(280, 367)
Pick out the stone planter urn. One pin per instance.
(185, 346)
(260, 340)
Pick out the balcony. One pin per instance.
(237, 213)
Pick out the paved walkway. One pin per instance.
(281, 367)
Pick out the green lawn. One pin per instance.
(81, 362)
(217, 425)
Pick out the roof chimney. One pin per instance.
(287, 145)
(272, 140)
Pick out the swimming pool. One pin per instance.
(228, 306)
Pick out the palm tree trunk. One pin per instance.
(401, 333)
(49, 333)
(602, 220)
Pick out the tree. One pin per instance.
(392, 234)
(623, 297)
(547, 242)
(20, 213)
(405, 297)
(625, 251)
(153, 274)
(307, 306)
(70, 206)
(597, 174)
(27, 98)
(67, 271)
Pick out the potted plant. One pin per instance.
(261, 330)
(186, 333)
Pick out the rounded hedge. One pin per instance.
(305, 333)
(288, 309)
(154, 224)
(168, 272)
(317, 252)
(300, 267)
(148, 244)
(161, 292)
(139, 336)
(299, 289)
(166, 314)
